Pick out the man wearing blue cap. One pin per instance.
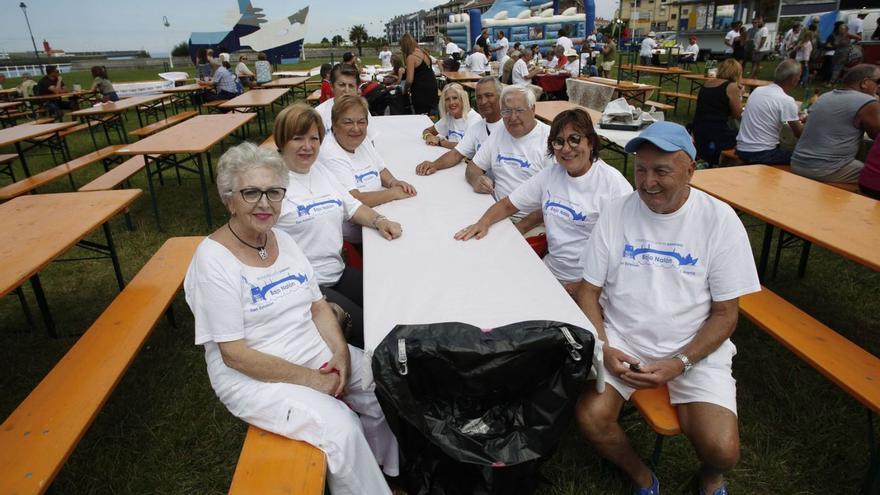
(663, 272)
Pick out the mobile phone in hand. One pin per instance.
(635, 367)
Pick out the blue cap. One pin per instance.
(668, 136)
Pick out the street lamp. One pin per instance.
(36, 53)
(167, 25)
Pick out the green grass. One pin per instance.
(164, 431)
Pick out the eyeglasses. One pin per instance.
(254, 195)
(573, 140)
(352, 122)
(507, 112)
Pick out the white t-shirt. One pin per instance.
(803, 53)
(767, 110)
(513, 161)
(268, 307)
(520, 73)
(730, 37)
(313, 211)
(571, 207)
(385, 58)
(503, 43)
(475, 136)
(452, 48)
(504, 58)
(661, 273)
(648, 45)
(693, 49)
(477, 62)
(456, 129)
(224, 57)
(855, 26)
(565, 42)
(573, 67)
(359, 170)
(762, 32)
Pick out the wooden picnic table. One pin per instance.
(109, 115)
(55, 96)
(632, 92)
(838, 220)
(27, 133)
(258, 100)
(755, 83)
(194, 137)
(665, 74)
(8, 93)
(181, 94)
(287, 82)
(462, 76)
(39, 228)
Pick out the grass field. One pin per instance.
(164, 431)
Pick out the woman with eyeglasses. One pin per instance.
(570, 194)
(314, 209)
(275, 353)
(355, 163)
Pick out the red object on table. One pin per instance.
(551, 83)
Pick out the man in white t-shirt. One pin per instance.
(564, 41)
(477, 61)
(488, 97)
(501, 45)
(731, 36)
(452, 48)
(646, 52)
(520, 75)
(385, 57)
(692, 51)
(513, 153)
(759, 43)
(769, 108)
(856, 24)
(663, 271)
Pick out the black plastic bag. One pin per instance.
(476, 411)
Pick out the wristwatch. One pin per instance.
(684, 359)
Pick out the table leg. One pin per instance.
(92, 135)
(765, 251)
(113, 256)
(152, 190)
(210, 166)
(21, 159)
(25, 308)
(44, 305)
(205, 202)
(805, 255)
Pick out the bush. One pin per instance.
(181, 50)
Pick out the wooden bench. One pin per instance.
(214, 105)
(40, 434)
(314, 97)
(65, 169)
(6, 164)
(269, 143)
(672, 96)
(659, 106)
(844, 363)
(77, 128)
(43, 120)
(116, 176)
(272, 464)
(149, 130)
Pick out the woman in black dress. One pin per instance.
(719, 101)
(421, 83)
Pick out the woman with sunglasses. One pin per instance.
(275, 353)
(571, 194)
(315, 208)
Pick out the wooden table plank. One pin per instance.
(284, 82)
(462, 76)
(840, 221)
(195, 135)
(40, 227)
(262, 98)
(119, 106)
(12, 135)
(186, 88)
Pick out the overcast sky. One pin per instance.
(92, 25)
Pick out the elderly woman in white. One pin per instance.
(456, 116)
(275, 354)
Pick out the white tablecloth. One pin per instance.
(426, 276)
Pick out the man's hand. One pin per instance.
(326, 382)
(388, 229)
(339, 364)
(427, 167)
(655, 374)
(477, 230)
(484, 185)
(616, 361)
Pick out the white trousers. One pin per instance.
(351, 431)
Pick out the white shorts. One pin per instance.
(710, 380)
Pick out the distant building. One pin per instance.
(413, 24)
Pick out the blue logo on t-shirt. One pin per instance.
(575, 215)
(520, 162)
(656, 256)
(259, 293)
(453, 133)
(302, 210)
(362, 177)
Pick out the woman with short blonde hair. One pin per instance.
(456, 116)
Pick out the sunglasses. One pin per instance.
(573, 140)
